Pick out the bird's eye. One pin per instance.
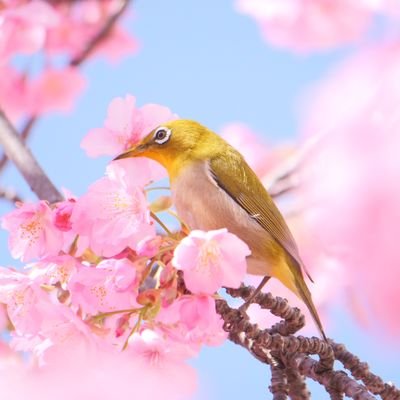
(162, 135)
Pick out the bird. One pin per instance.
(213, 187)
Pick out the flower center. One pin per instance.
(209, 254)
(30, 231)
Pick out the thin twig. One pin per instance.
(100, 36)
(281, 180)
(10, 195)
(282, 187)
(21, 156)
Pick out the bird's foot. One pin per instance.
(243, 308)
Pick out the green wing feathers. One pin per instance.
(237, 179)
(234, 176)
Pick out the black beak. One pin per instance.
(134, 152)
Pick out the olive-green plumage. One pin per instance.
(213, 187)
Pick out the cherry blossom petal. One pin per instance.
(309, 25)
(3, 318)
(210, 260)
(124, 126)
(193, 320)
(32, 233)
(24, 26)
(55, 90)
(113, 214)
(109, 286)
(352, 176)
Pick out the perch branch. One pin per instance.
(290, 356)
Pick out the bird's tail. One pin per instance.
(299, 287)
(304, 293)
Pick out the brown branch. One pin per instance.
(334, 393)
(26, 130)
(278, 388)
(360, 370)
(297, 385)
(289, 356)
(292, 318)
(21, 156)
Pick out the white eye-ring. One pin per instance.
(162, 135)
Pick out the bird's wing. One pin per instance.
(232, 174)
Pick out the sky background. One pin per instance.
(206, 62)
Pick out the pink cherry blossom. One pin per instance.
(211, 260)
(42, 325)
(109, 286)
(352, 178)
(32, 233)
(124, 126)
(25, 301)
(61, 334)
(113, 214)
(3, 318)
(148, 247)
(155, 350)
(52, 90)
(108, 375)
(55, 90)
(135, 171)
(308, 25)
(24, 26)
(62, 215)
(80, 22)
(193, 320)
(62, 221)
(164, 359)
(54, 270)
(117, 45)
(14, 92)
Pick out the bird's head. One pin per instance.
(174, 144)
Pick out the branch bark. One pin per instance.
(290, 356)
(26, 163)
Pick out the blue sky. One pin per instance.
(205, 62)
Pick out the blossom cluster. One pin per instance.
(103, 280)
(352, 179)
(315, 25)
(43, 33)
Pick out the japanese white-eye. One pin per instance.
(213, 187)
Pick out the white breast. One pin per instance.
(202, 204)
